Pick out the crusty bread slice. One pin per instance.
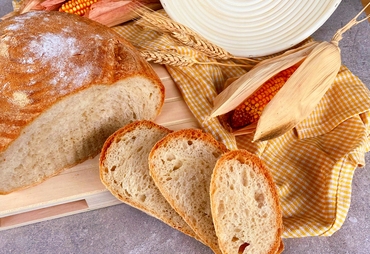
(181, 165)
(124, 171)
(66, 84)
(245, 205)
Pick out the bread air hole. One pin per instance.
(112, 169)
(221, 208)
(231, 169)
(142, 198)
(127, 193)
(216, 154)
(242, 248)
(177, 165)
(260, 198)
(244, 178)
(170, 157)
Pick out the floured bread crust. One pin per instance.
(45, 56)
(60, 74)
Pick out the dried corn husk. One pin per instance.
(114, 12)
(23, 6)
(319, 64)
(106, 12)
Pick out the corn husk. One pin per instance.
(243, 87)
(115, 12)
(319, 63)
(106, 12)
(23, 6)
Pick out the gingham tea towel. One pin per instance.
(312, 164)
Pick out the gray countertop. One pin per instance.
(122, 229)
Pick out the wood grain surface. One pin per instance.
(79, 189)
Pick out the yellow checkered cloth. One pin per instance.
(313, 164)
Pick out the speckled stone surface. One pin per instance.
(122, 229)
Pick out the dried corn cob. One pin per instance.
(250, 110)
(319, 63)
(78, 7)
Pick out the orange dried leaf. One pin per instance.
(52, 5)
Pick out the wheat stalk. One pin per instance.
(184, 35)
(175, 59)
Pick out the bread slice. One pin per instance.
(124, 171)
(181, 166)
(66, 84)
(245, 205)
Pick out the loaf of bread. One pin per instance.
(181, 165)
(66, 84)
(124, 171)
(245, 205)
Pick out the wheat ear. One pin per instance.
(175, 59)
(171, 58)
(183, 34)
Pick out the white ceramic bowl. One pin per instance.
(252, 28)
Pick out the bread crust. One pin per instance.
(119, 133)
(47, 56)
(190, 134)
(245, 157)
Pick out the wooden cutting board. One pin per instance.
(79, 189)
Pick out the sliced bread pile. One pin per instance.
(124, 171)
(189, 180)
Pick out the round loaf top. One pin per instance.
(47, 55)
